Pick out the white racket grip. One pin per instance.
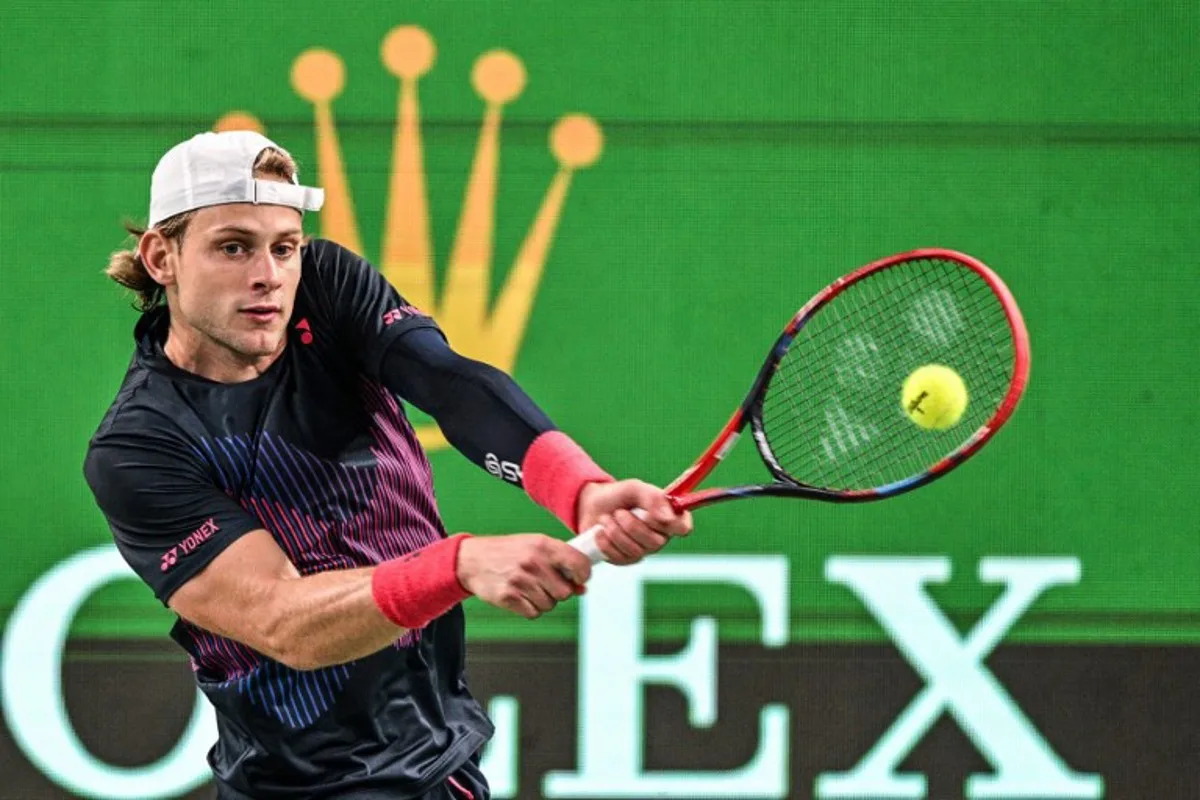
(586, 541)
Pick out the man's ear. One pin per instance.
(160, 255)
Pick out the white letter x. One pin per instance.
(956, 679)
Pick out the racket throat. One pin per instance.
(724, 449)
(720, 447)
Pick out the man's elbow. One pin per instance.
(303, 650)
(280, 640)
(297, 657)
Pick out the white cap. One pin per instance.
(212, 169)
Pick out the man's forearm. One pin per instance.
(480, 409)
(327, 618)
(341, 615)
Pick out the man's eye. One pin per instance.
(284, 250)
(233, 248)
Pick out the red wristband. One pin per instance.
(416, 589)
(554, 471)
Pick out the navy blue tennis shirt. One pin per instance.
(318, 451)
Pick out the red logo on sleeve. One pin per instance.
(397, 314)
(189, 544)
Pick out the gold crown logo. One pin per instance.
(477, 328)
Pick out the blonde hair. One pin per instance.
(126, 267)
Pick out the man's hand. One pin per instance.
(625, 538)
(526, 573)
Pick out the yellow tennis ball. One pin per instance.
(934, 397)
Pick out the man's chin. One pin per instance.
(260, 345)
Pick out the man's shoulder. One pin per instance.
(143, 406)
(139, 429)
(328, 254)
(327, 267)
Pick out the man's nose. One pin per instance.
(266, 270)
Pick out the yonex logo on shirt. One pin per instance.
(188, 545)
(306, 336)
(397, 314)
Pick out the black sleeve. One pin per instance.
(367, 313)
(482, 411)
(168, 518)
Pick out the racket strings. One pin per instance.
(791, 373)
(926, 446)
(842, 431)
(867, 464)
(832, 413)
(860, 470)
(922, 450)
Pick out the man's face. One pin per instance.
(236, 275)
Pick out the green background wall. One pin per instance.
(753, 151)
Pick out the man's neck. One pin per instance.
(194, 352)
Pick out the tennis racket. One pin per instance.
(825, 409)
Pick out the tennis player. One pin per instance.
(258, 472)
